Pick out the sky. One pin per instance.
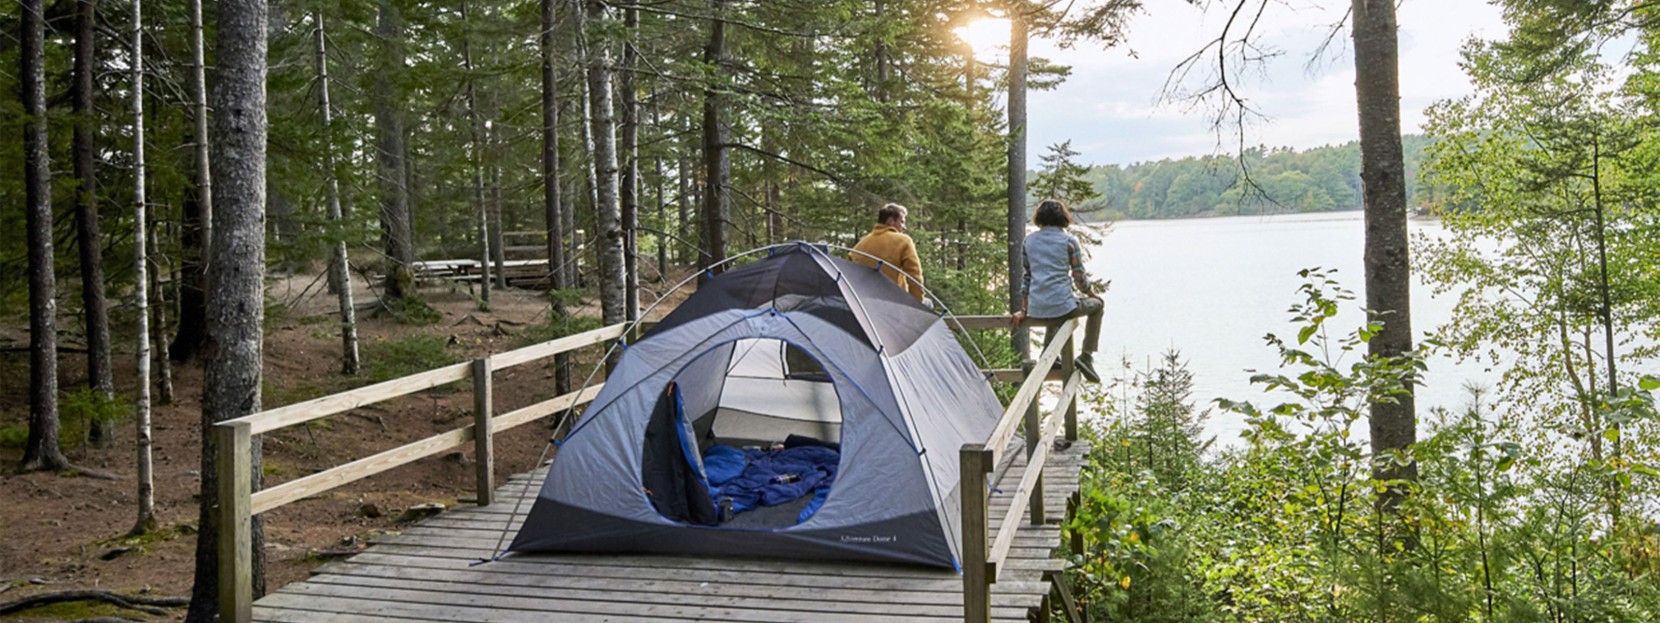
(1109, 107)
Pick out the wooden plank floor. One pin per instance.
(425, 574)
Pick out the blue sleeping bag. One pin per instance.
(752, 478)
(723, 463)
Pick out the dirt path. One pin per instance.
(58, 530)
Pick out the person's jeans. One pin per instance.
(1087, 306)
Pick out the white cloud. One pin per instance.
(1109, 106)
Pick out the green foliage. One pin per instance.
(556, 327)
(81, 409)
(1062, 178)
(1138, 563)
(1321, 179)
(384, 360)
(1551, 176)
(411, 311)
(14, 436)
(1503, 524)
(274, 394)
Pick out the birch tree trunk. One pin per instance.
(197, 234)
(340, 267)
(391, 150)
(146, 520)
(476, 134)
(590, 170)
(631, 166)
(158, 329)
(236, 275)
(498, 244)
(607, 209)
(551, 205)
(88, 239)
(1393, 424)
(1019, 337)
(41, 451)
(716, 163)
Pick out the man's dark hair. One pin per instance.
(890, 211)
(1052, 213)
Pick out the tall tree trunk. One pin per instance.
(236, 276)
(770, 188)
(89, 240)
(42, 451)
(1018, 337)
(590, 170)
(1605, 313)
(1387, 256)
(879, 86)
(552, 208)
(498, 244)
(683, 202)
(146, 520)
(340, 267)
(716, 163)
(198, 209)
(631, 165)
(663, 240)
(971, 100)
(551, 200)
(476, 133)
(607, 208)
(391, 149)
(158, 327)
(573, 247)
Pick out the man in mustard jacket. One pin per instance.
(888, 243)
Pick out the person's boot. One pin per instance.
(1086, 365)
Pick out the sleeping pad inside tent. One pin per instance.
(799, 407)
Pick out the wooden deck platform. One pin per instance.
(424, 574)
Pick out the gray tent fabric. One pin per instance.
(896, 392)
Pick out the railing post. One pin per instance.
(483, 437)
(236, 557)
(1034, 432)
(1069, 367)
(978, 572)
(1076, 537)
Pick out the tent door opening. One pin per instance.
(746, 436)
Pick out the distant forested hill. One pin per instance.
(1322, 179)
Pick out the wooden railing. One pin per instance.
(983, 551)
(234, 438)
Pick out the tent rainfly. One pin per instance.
(867, 390)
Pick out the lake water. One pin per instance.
(1212, 288)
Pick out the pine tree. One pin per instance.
(1064, 179)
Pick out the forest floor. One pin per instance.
(63, 532)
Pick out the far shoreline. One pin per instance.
(1414, 215)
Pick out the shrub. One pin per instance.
(384, 360)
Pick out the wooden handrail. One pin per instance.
(232, 440)
(1028, 479)
(340, 475)
(1000, 436)
(306, 411)
(544, 350)
(983, 553)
